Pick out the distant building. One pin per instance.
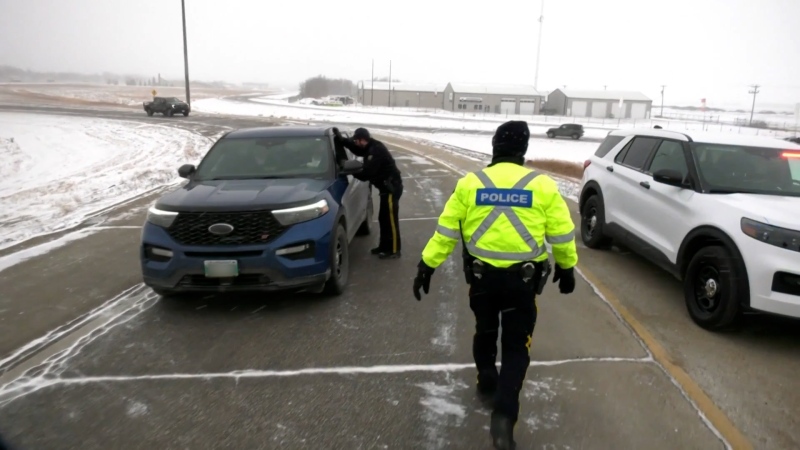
(402, 95)
(496, 99)
(600, 104)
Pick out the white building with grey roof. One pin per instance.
(505, 99)
(401, 95)
(600, 104)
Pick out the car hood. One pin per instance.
(770, 209)
(242, 195)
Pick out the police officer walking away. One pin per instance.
(504, 214)
(381, 171)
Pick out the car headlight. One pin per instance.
(160, 217)
(301, 213)
(768, 234)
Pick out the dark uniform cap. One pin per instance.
(361, 133)
(511, 139)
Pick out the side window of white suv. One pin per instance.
(636, 154)
(669, 156)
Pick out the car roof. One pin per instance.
(279, 131)
(709, 137)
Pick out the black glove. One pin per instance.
(423, 279)
(566, 279)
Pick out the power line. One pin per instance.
(754, 92)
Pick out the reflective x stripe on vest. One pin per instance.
(515, 221)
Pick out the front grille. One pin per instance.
(242, 280)
(256, 227)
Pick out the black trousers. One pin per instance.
(389, 222)
(503, 298)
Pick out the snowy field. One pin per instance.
(444, 120)
(56, 171)
(558, 149)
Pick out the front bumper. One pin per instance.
(260, 269)
(774, 276)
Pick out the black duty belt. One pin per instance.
(527, 270)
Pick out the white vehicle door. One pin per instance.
(669, 219)
(626, 196)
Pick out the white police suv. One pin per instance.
(720, 212)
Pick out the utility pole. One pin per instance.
(390, 83)
(185, 54)
(372, 89)
(539, 48)
(754, 92)
(662, 99)
(605, 87)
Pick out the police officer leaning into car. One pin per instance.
(381, 171)
(504, 214)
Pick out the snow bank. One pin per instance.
(57, 170)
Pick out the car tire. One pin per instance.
(149, 112)
(575, 136)
(340, 262)
(169, 113)
(713, 280)
(366, 226)
(186, 114)
(550, 135)
(592, 220)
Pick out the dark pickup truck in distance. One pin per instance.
(168, 106)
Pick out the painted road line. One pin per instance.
(710, 413)
(714, 417)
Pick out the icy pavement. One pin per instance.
(55, 171)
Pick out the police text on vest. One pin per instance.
(504, 197)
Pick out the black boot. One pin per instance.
(387, 255)
(375, 250)
(502, 431)
(487, 384)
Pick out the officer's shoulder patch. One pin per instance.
(520, 198)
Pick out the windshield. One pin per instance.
(254, 158)
(755, 170)
(173, 100)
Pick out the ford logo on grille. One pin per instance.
(220, 229)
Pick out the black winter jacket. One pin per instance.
(379, 165)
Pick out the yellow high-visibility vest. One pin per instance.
(506, 213)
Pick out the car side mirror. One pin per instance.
(670, 177)
(186, 170)
(351, 166)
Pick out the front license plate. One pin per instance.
(222, 268)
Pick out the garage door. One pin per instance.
(599, 109)
(578, 109)
(638, 111)
(508, 107)
(527, 107)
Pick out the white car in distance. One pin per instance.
(720, 212)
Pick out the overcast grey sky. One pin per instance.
(698, 48)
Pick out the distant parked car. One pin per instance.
(168, 106)
(267, 209)
(795, 140)
(573, 130)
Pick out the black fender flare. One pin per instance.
(589, 186)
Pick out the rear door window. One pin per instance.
(637, 153)
(607, 144)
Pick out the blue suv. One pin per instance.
(266, 209)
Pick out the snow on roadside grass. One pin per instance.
(447, 120)
(556, 149)
(57, 170)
